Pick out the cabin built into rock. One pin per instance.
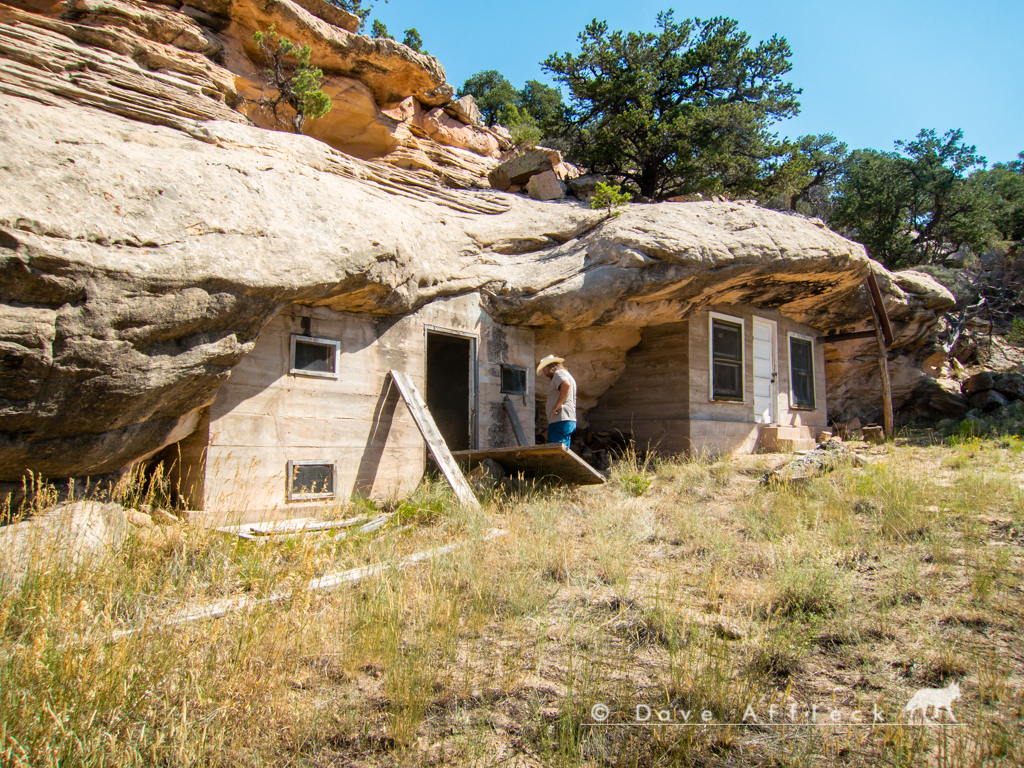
(311, 415)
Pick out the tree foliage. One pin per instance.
(805, 176)
(379, 29)
(683, 110)
(609, 197)
(918, 204)
(295, 82)
(1004, 182)
(530, 114)
(413, 40)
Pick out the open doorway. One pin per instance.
(450, 390)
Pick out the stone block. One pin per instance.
(545, 186)
(519, 168)
(873, 434)
(978, 382)
(584, 187)
(1010, 385)
(988, 400)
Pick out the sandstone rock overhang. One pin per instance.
(140, 262)
(148, 232)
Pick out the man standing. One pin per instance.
(561, 401)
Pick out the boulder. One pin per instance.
(979, 382)
(545, 186)
(74, 534)
(585, 186)
(1010, 385)
(519, 168)
(988, 400)
(934, 399)
(466, 111)
(444, 129)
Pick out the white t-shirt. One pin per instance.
(568, 410)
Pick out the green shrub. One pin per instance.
(610, 197)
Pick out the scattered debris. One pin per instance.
(330, 581)
(302, 525)
(825, 458)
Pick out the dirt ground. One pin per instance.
(685, 613)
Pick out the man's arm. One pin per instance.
(563, 395)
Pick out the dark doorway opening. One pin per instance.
(449, 392)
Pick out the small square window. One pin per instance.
(314, 357)
(311, 480)
(513, 380)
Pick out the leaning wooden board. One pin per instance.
(549, 460)
(432, 436)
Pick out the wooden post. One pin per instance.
(883, 358)
(513, 417)
(432, 436)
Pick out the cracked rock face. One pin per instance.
(148, 233)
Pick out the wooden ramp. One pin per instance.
(432, 436)
(552, 460)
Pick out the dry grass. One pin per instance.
(681, 586)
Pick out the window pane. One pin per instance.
(513, 380)
(728, 341)
(728, 381)
(311, 356)
(801, 358)
(312, 479)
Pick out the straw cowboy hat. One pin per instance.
(548, 361)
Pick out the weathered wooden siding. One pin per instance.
(651, 398)
(264, 417)
(664, 394)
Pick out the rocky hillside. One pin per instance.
(149, 229)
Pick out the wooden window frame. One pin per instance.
(292, 496)
(732, 320)
(789, 353)
(297, 338)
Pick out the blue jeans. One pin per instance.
(561, 432)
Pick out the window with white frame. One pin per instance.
(801, 371)
(726, 358)
(312, 480)
(314, 357)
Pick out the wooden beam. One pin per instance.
(831, 339)
(513, 416)
(548, 460)
(875, 298)
(883, 364)
(432, 436)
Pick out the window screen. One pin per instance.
(316, 357)
(310, 480)
(513, 380)
(801, 364)
(727, 360)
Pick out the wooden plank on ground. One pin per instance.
(513, 416)
(432, 436)
(552, 460)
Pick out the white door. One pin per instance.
(764, 371)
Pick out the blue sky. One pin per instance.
(871, 71)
